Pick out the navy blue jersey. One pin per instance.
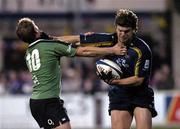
(137, 61)
(98, 39)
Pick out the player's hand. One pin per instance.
(105, 76)
(119, 50)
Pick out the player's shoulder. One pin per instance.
(141, 44)
(140, 47)
(47, 41)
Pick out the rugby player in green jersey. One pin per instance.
(42, 58)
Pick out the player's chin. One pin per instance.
(123, 40)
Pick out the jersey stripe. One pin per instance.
(138, 61)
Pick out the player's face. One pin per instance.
(124, 33)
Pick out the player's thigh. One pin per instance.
(64, 126)
(121, 119)
(143, 118)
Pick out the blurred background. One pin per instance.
(84, 94)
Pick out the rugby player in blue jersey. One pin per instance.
(131, 95)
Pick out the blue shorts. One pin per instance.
(123, 98)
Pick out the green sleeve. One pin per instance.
(64, 49)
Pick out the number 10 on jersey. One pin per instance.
(33, 60)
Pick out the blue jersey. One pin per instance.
(137, 61)
(98, 39)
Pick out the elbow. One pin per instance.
(80, 51)
(138, 81)
(83, 51)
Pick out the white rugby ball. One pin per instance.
(105, 65)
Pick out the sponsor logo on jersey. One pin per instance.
(122, 62)
(146, 65)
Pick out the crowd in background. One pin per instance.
(78, 76)
(79, 73)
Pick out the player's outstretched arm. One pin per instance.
(75, 39)
(96, 51)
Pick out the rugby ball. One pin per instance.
(105, 65)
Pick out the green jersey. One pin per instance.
(43, 61)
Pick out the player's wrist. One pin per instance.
(112, 51)
(77, 37)
(113, 81)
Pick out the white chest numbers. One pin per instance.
(33, 60)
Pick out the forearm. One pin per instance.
(130, 81)
(93, 51)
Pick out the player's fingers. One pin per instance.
(97, 73)
(110, 81)
(109, 70)
(100, 75)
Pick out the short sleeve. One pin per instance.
(65, 49)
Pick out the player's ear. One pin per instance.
(115, 28)
(134, 31)
(115, 25)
